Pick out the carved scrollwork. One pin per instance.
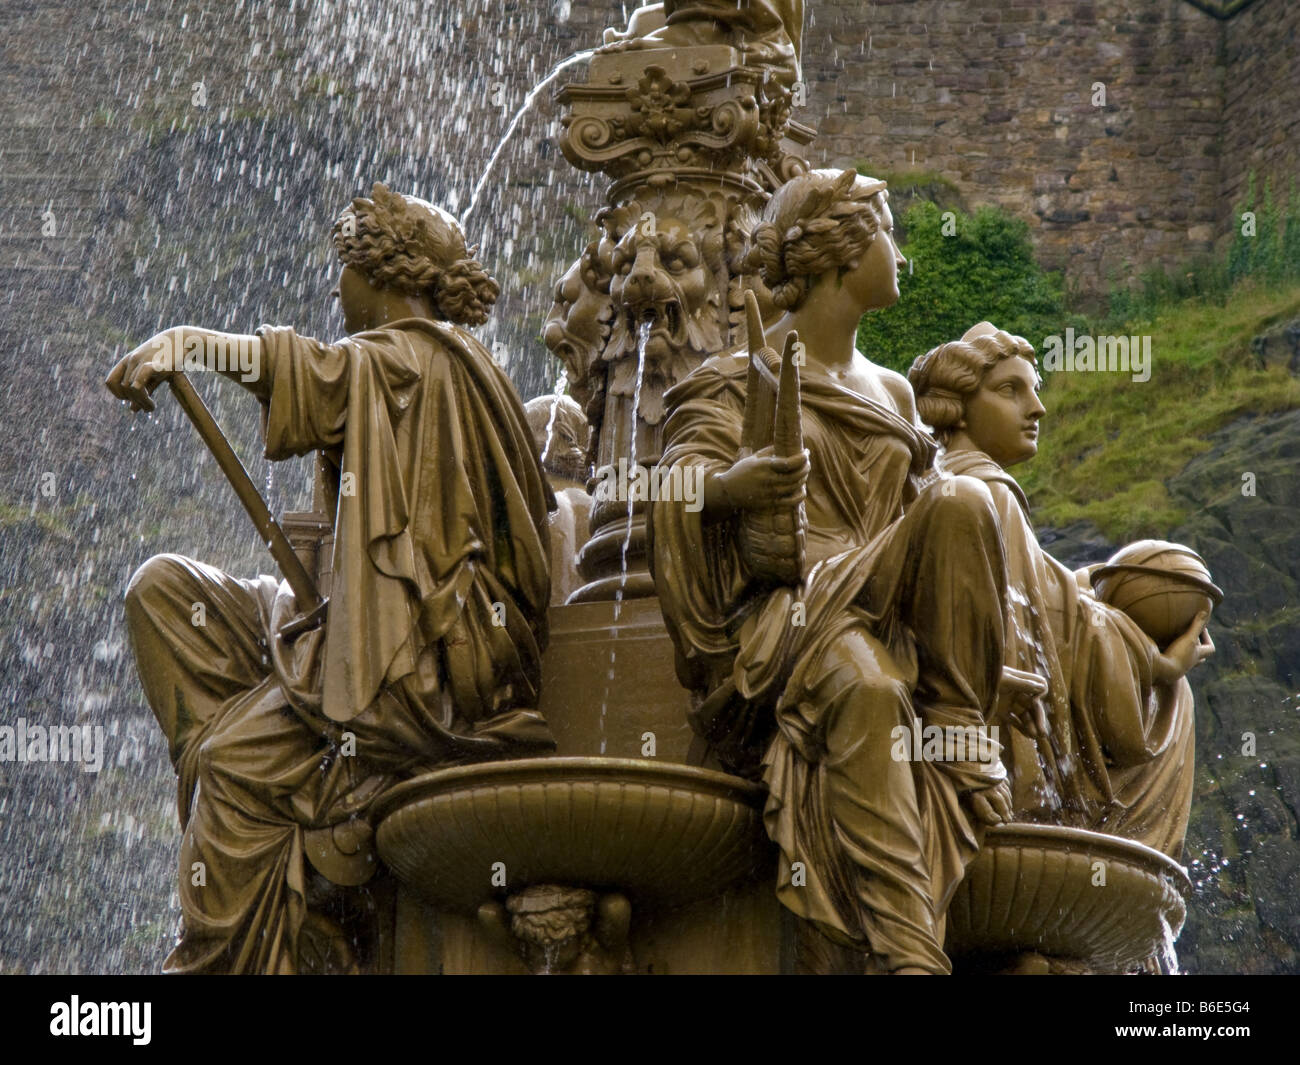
(663, 123)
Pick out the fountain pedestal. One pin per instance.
(609, 687)
(619, 811)
(685, 846)
(693, 139)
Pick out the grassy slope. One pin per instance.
(1109, 443)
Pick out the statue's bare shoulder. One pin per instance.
(900, 391)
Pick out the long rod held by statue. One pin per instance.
(772, 411)
(304, 588)
(773, 418)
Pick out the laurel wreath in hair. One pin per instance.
(811, 225)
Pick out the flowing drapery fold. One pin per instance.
(430, 653)
(1122, 743)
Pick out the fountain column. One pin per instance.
(694, 138)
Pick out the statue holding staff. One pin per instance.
(429, 653)
(893, 618)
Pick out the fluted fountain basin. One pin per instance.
(1035, 888)
(662, 834)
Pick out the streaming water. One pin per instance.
(561, 389)
(1167, 957)
(529, 99)
(642, 339)
(215, 214)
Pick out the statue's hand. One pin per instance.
(1186, 653)
(1020, 702)
(992, 805)
(1083, 577)
(136, 375)
(761, 481)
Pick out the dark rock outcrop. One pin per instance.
(1243, 849)
(1243, 495)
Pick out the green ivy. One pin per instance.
(1270, 255)
(965, 268)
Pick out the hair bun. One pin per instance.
(411, 246)
(465, 293)
(819, 221)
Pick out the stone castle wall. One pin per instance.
(1261, 113)
(997, 96)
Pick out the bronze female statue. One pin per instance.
(1110, 747)
(436, 622)
(895, 622)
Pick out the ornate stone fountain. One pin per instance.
(695, 140)
(634, 842)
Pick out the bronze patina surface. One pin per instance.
(816, 701)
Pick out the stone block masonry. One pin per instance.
(1001, 98)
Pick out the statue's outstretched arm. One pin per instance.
(233, 355)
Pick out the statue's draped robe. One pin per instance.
(1122, 745)
(430, 653)
(771, 29)
(899, 617)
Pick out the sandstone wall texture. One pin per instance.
(1261, 105)
(1000, 98)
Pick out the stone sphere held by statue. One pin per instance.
(1160, 585)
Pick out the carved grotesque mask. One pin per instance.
(669, 281)
(576, 327)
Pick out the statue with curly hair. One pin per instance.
(1108, 743)
(893, 627)
(430, 652)
(417, 249)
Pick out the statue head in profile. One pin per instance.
(560, 430)
(823, 221)
(980, 393)
(579, 321)
(405, 257)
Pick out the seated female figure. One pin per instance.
(894, 621)
(1110, 745)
